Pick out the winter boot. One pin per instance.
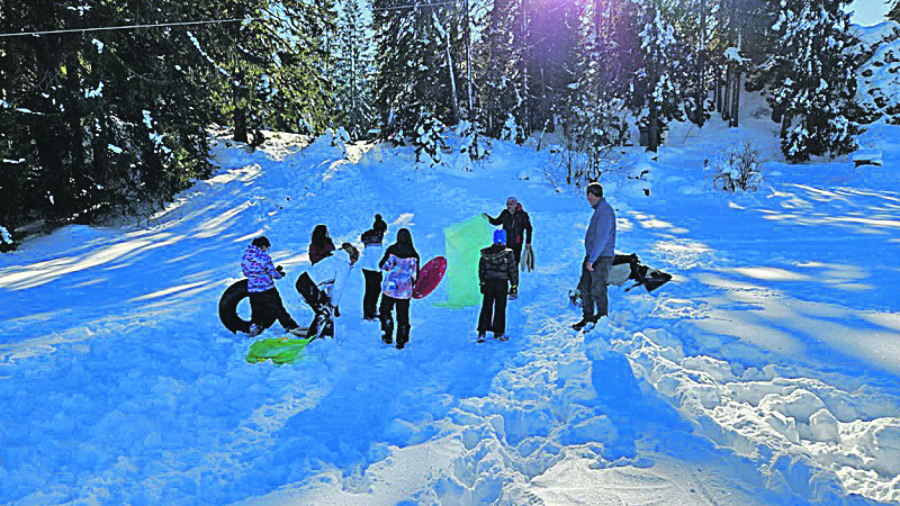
(387, 331)
(481, 335)
(328, 329)
(584, 322)
(255, 330)
(402, 336)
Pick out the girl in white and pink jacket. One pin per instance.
(401, 263)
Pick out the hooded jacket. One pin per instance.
(402, 265)
(259, 269)
(498, 263)
(517, 225)
(330, 274)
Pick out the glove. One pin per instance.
(280, 269)
(486, 215)
(513, 291)
(337, 311)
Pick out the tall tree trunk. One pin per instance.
(523, 53)
(726, 99)
(700, 110)
(239, 89)
(452, 81)
(74, 115)
(736, 92)
(717, 87)
(786, 119)
(653, 128)
(735, 99)
(546, 117)
(239, 93)
(471, 112)
(355, 115)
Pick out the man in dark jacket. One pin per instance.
(516, 224)
(496, 270)
(599, 246)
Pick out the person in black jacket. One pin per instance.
(517, 225)
(496, 270)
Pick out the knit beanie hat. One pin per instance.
(500, 236)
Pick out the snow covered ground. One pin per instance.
(764, 373)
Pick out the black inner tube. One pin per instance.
(228, 307)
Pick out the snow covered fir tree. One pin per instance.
(599, 72)
(174, 173)
(814, 79)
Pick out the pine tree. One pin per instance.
(814, 79)
(657, 82)
(594, 114)
(354, 66)
(498, 60)
(418, 68)
(271, 69)
(106, 122)
(552, 38)
(894, 13)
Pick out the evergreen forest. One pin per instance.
(107, 106)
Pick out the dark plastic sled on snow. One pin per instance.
(625, 268)
(651, 279)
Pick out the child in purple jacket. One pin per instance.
(265, 302)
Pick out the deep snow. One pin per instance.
(764, 373)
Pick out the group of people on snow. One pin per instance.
(392, 273)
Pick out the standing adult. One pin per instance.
(401, 261)
(599, 246)
(517, 225)
(265, 302)
(371, 254)
(320, 244)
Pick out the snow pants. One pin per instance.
(517, 251)
(387, 320)
(593, 287)
(266, 307)
(373, 290)
(320, 304)
(493, 307)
